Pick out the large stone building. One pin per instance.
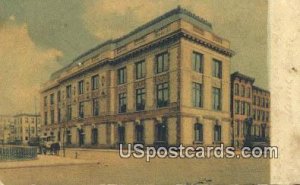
(26, 126)
(250, 109)
(165, 83)
(6, 128)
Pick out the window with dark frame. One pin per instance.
(52, 117)
(217, 133)
(162, 62)
(45, 101)
(121, 134)
(197, 62)
(95, 82)
(122, 103)
(217, 68)
(236, 107)
(140, 99)
(81, 110)
(95, 107)
(140, 68)
(69, 112)
(59, 115)
(161, 132)
(122, 76)
(46, 118)
(162, 93)
(69, 91)
(94, 136)
(139, 133)
(58, 96)
(216, 98)
(198, 128)
(51, 99)
(80, 87)
(197, 94)
(236, 89)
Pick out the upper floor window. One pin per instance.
(162, 93)
(162, 62)
(197, 62)
(45, 118)
(198, 128)
(122, 76)
(140, 99)
(95, 107)
(59, 115)
(216, 98)
(69, 91)
(267, 103)
(45, 101)
(197, 95)
(81, 110)
(95, 82)
(236, 107)
(140, 68)
(69, 112)
(52, 117)
(254, 100)
(122, 102)
(52, 99)
(236, 89)
(243, 108)
(217, 68)
(243, 90)
(80, 87)
(248, 92)
(58, 96)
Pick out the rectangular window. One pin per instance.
(217, 68)
(197, 95)
(52, 99)
(140, 70)
(80, 87)
(122, 103)
(95, 82)
(254, 114)
(236, 89)
(198, 132)
(45, 118)
(59, 115)
(122, 76)
(197, 62)
(162, 93)
(237, 107)
(81, 110)
(140, 99)
(69, 112)
(162, 62)
(216, 98)
(243, 108)
(58, 96)
(69, 91)
(254, 100)
(52, 117)
(96, 107)
(45, 101)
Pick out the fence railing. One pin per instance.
(17, 153)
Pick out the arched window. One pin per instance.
(198, 130)
(217, 133)
(94, 136)
(121, 134)
(139, 133)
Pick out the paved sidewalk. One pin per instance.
(45, 161)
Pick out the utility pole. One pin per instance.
(36, 125)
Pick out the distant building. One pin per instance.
(26, 126)
(250, 110)
(6, 128)
(165, 83)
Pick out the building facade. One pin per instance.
(165, 83)
(6, 128)
(26, 126)
(250, 109)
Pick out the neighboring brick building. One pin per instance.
(6, 127)
(249, 110)
(165, 83)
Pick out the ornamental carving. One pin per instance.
(139, 84)
(162, 78)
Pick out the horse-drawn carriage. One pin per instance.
(45, 145)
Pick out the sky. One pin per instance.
(39, 37)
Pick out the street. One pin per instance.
(114, 170)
